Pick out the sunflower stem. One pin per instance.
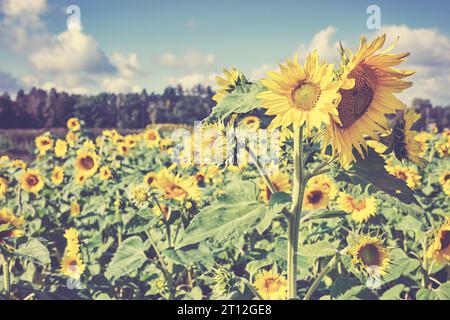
(298, 192)
(320, 277)
(261, 171)
(6, 275)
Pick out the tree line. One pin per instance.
(41, 109)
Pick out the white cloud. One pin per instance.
(72, 52)
(127, 66)
(190, 59)
(323, 43)
(430, 58)
(261, 71)
(119, 85)
(23, 7)
(190, 81)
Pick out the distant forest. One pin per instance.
(40, 109)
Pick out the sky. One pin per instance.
(128, 46)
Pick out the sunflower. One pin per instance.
(226, 84)
(139, 195)
(75, 209)
(3, 187)
(446, 188)
(7, 217)
(280, 181)
(324, 183)
(60, 148)
(71, 138)
(404, 143)
(163, 210)
(73, 124)
(57, 175)
(409, 175)
(32, 181)
(72, 266)
(251, 122)
(80, 178)
(369, 255)
(443, 148)
(175, 187)
(123, 149)
(300, 95)
(377, 146)
(315, 198)
(444, 177)
(105, 173)
(361, 209)
(150, 179)
(86, 162)
(271, 286)
(363, 106)
(439, 250)
(152, 138)
(43, 144)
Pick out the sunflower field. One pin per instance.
(332, 194)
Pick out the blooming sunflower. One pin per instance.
(226, 84)
(444, 177)
(3, 187)
(105, 173)
(123, 149)
(152, 138)
(176, 187)
(446, 188)
(43, 144)
(80, 178)
(150, 178)
(86, 162)
(324, 183)
(443, 147)
(409, 175)
(72, 266)
(71, 138)
(139, 195)
(439, 250)
(57, 175)
(299, 95)
(60, 148)
(75, 209)
(369, 255)
(404, 143)
(280, 181)
(361, 209)
(7, 217)
(271, 286)
(73, 124)
(315, 198)
(32, 181)
(363, 106)
(251, 122)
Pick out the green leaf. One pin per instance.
(443, 292)
(222, 221)
(401, 265)
(408, 223)
(34, 251)
(426, 294)
(253, 266)
(372, 170)
(241, 100)
(278, 202)
(319, 249)
(393, 293)
(323, 214)
(129, 256)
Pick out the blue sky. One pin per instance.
(135, 44)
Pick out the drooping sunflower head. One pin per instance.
(32, 181)
(226, 84)
(439, 250)
(280, 181)
(301, 95)
(44, 144)
(57, 175)
(271, 286)
(60, 148)
(361, 208)
(86, 162)
(367, 95)
(3, 187)
(7, 218)
(369, 255)
(403, 138)
(176, 187)
(75, 209)
(105, 173)
(73, 124)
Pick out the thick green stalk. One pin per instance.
(6, 275)
(298, 192)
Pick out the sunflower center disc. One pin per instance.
(32, 181)
(315, 196)
(370, 255)
(355, 102)
(445, 242)
(306, 95)
(87, 162)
